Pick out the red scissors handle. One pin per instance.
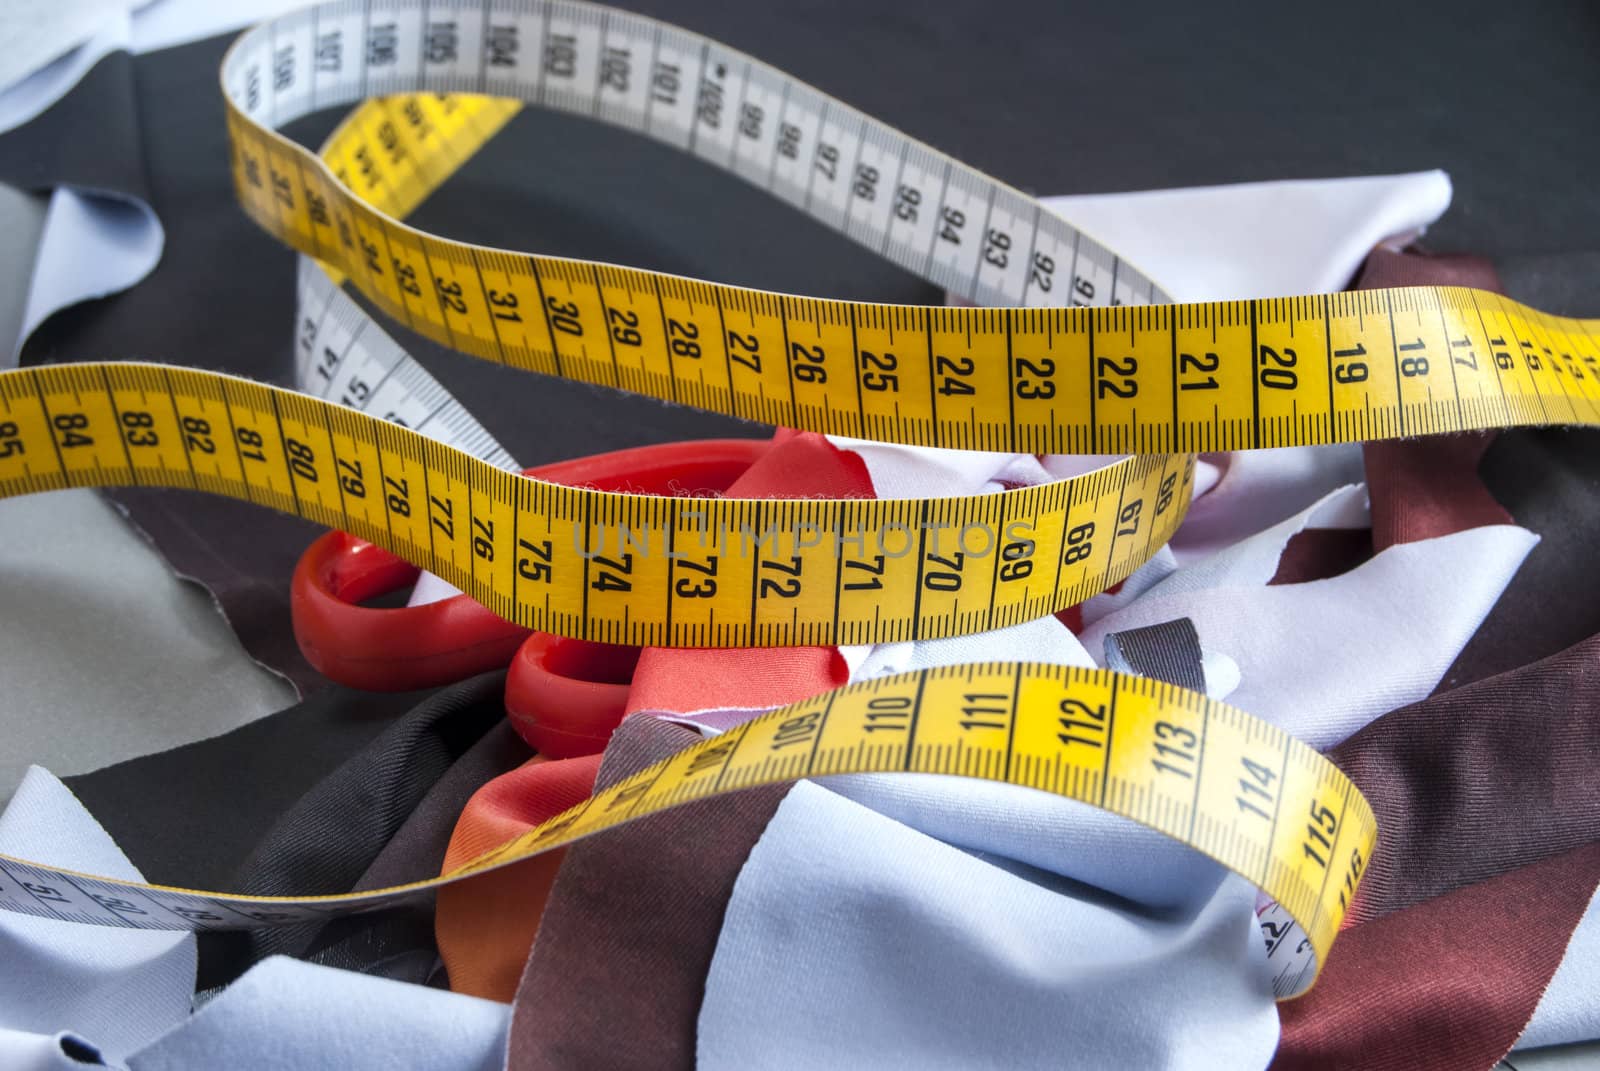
(565, 696)
(400, 649)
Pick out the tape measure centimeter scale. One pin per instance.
(383, 152)
(1238, 789)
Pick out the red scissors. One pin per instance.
(563, 696)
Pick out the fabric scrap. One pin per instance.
(44, 1052)
(327, 839)
(1261, 239)
(179, 836)
(1549, 480)
(485, 925)
(1322, 554)
(289, 1014)
(1426, 769)
(1325, 658)
(1168, 651)
(399, 943)
(94, 244)
(1257, 489)
(1474, 790)
(117, 989)
(839, 943)
(1424, 488)
(633, 922)
(1568, 1010)
(1461, 974)
(168, 670)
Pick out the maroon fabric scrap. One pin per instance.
(1447, 985)
(618, 970)
(1488, 854)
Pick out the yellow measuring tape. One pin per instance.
(1124, 376)
(618, 568)
(1145, 378)
(1242, 791)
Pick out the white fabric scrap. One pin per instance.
(1255, 489)
(1253, 561)
(954, 923)
(1259, 239)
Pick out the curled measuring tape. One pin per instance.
(1139, 377)
(597, 565)
(1242, 791)
(1036, 376)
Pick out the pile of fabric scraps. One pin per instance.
(1420, 610)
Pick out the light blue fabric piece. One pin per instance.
(857, 942)
(1032, 926)
(1570, 1008)
(116, 988)
(127, 993)
(46, 1052)
(1002, 823)
(1324, 658)
(284, 1013)
(94, 244)
(1253, 560)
